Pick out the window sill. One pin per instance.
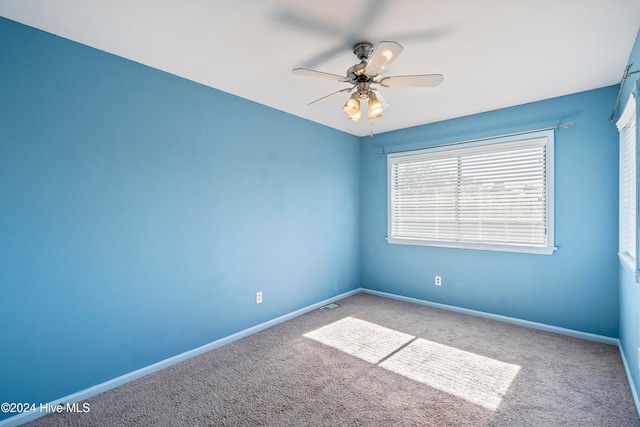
(540, 250)
(629, 262)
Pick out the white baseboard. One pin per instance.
(123, 379)
(629, 378)
(505, 319)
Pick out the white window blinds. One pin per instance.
(627, 227)
(485, 196)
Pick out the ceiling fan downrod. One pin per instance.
(362, 50)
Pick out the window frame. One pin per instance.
(546, 249)
(627, 118)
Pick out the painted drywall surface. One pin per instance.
(574, 288)
(630, 322)
(141, 212)
(629, 289)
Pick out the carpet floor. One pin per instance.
(374, 361)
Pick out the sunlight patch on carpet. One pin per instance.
(359, 338)
(474, 378)
(477, 379)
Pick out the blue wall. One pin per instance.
(140, 213)
(574, 288)
(629, 292)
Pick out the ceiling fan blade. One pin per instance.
(422, 80)
(301, 21)
(327, 54)
(381, 57)
(331, 95)
(420, 36)
(319, 74)
(371, 13)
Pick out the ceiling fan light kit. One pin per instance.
(353, 110)
(365, 73)
(352, 105)
(375, 106)
(357, 115)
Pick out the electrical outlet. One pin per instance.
(258, 297)
(438, 281)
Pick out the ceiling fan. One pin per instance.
(367, 73)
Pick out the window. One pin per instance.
(495, 194)
(627, 128)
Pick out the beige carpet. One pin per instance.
(379, 362)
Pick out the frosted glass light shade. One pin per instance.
(352, 106)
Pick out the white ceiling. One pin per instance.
(492, 53)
